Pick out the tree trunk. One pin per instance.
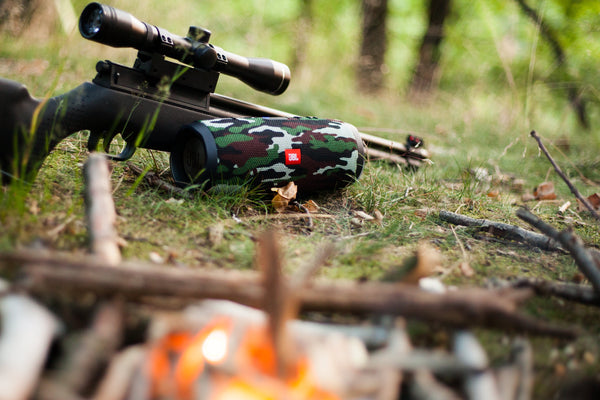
(425, 75)
(373, 45)
(573, 91)
(35, 19)
(303, 34)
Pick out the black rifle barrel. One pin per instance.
(110, 26)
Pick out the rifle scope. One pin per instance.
(117, 28)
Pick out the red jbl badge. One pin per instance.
(292, 157)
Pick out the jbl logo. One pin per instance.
(292, 156)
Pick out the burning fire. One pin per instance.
(227, 362)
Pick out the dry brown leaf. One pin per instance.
(311, 206)
(427, 260)
(422, 212)
(527, 197)
(545, 191)
(594, 201)
(493, 193)
(284, 196)
(288, 192)
(279, 203)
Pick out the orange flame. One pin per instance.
(254, 361)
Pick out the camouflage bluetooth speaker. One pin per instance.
(316, 154)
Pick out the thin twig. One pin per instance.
(502, 229)
(571, 242)
(583, 294)
(309, 221)
(564, 177)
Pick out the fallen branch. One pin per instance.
(571, 242)
(462, 308)
(503, 230)
(584, 294)
(100, 209)
(91, 353)
(573, 189)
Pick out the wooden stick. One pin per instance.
(100, 209)
(278, 301)
(27, 331)
(465, 307)
(523, 359)
(93, 351)
(571, 242)
(584, 294)
(564, 177)
(121, 373)
(503, 230)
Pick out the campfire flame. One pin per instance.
(226, 362)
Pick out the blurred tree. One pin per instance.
(425, 74)
(373, 45)
(303, 31)
(33, 18)
(15, 14)
(573, 90)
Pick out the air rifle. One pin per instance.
(167, 102)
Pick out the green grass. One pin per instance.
(475, 123)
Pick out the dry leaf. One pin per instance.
(545, 191)
(527, 197)
(422, 212)
(427, 260)
(594, 201)
(311, 206)
(493, 193)
(288, 192)
(284, 196)
(280, 203)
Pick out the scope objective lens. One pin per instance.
(91, 22)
